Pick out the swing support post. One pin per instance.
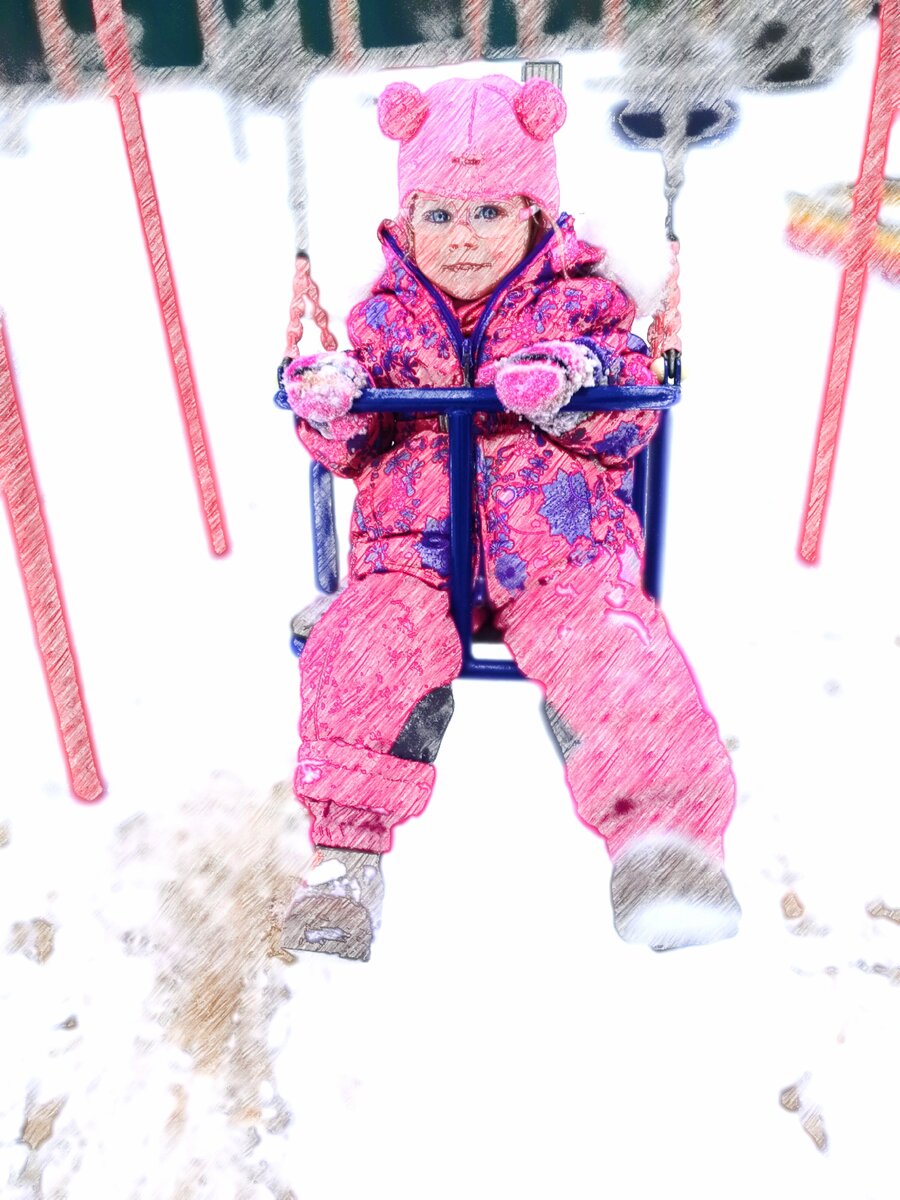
(22, 498)
(867, 198)
(111, 35)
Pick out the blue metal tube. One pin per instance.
(484, 399)
(325, 541)
(657, 475)
(489, 668)
(639, 488)
(462, 448)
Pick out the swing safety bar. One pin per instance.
(459, 406)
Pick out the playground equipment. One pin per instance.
(264, 57)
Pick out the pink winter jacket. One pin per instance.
(543, 501)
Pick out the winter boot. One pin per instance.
(667, 892)
(337, 907)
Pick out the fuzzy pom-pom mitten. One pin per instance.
(540, 380)
(320, 388)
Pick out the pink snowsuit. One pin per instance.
(561, 552)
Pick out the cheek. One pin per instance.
(428, 252)
(515, 248)
(507, 254)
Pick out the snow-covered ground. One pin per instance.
(502, 1041)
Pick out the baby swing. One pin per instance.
(459, 406)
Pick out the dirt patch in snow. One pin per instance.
(215, 942)
(186, 977)
(32, 938)
(39, 1122)
(812, 1123)
(879, 910)
(792, 906)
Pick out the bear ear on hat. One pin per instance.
(540, 108)
(401, 110)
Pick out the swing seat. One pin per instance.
(645, 126)
(460, 406)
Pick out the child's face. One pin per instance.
(465, 247)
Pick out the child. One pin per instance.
(484, 285)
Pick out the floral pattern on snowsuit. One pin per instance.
(543, 502)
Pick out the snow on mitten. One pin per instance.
(320, 388)
(540, 380)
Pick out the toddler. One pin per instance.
(486, 284)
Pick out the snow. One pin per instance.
(502, 1040)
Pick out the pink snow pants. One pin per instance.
(642, 754)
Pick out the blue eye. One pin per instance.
(438, 216)
(487, 212)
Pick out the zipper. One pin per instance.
(444, 311)
(468, 350)
(467, 361)
(477, 338)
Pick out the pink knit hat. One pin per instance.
(469, 138)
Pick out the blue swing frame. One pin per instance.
(460, 405)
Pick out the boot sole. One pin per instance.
(328, 925)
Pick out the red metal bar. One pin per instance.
(117, 56)
(40, 578)
(56, 39)
(613, 22)
(530, 17)
(344, 16)
(867, 197)
(211, 20)
(475, 13)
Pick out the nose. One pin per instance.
(464, 235)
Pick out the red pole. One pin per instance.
(42, 587)
(57, 42)
(207, 17)
(530, 17)
(613, 22)
(117, 56)
(867, 197)
(476, 25)
(344, 15)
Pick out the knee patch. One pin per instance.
(420, 738)
(564, 736)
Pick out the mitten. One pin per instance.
(320, 388)
(540, 380)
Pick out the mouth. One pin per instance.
(468, 266)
